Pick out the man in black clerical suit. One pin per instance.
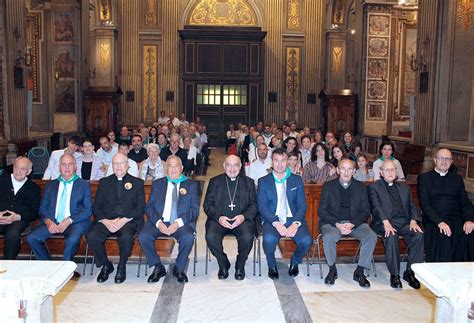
(118, 209)
(343, 211)
(19, 204)
(448, 214)
(231, 207)
(394, 214)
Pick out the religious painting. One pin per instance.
(338, 12)
(379, 25)
(376, 110)
(63, 27)
(377, 68)
(65, 96)
(408, 75)
(377, 90)
(64, 62)
(460, 160)
(378, 47)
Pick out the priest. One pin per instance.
(231, 207)
(448, 214)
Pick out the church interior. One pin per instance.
(397, 70)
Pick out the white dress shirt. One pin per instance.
(259, 169)
(167, 208)
(16, 184)
(67, 210)
(106, 156)
(279, 189)
(52, 171)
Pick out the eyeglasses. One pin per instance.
(389, 170)
(346, 170)
(446, 159)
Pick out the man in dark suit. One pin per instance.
(118, 209)
(231, 207)
(394, 214)
(343, 211)
(172, 210)
(282, 207)
(65, 209)
(19, 204)
(175, 149)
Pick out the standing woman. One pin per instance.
(89, 165)
(386, 151)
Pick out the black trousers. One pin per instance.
(245, 234)
(99, 233)
(413, 240)
(12, 238)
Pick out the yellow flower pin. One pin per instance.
(183, 191)
(128, 186)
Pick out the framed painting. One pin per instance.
(377, 90)
(377, 68)
(64, 61)
(379, 25)
(63, 27)
(378, 47)
(65, 98)
(376, 110)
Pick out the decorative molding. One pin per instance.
(465, 13)
(294, 14)
(223, 13)
(337, 54)
(104, 54)
(293, 82)
(33, 38)
(104, 10)
(150, 81)
(151, 13)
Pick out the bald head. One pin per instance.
(345, 169)
(443, 160)
(120, 164)
(388, 170)
(21, 168)
(232, 166)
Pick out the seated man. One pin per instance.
(133, 166)
(231, 207)
(343, 211)
(175, 149)
(172, 210)
(118, 209)
(137, 153)
(448, 214)
(65, 209)
(394, 214)
(20, 199)
(73, 144)
(261, 166)
(282, 207)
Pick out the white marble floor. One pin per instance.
(256, 299)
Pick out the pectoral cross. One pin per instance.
(232, 205)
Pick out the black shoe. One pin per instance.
(224, 272)
(409, 276)
(157, 273)
(273, 273)
(293, 270)
(239, 274)
(120, 276)
(105, 272)
(331, 277)
(395, 281)
(361, 279)
(180, 275)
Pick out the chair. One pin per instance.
(317, 242)
(39, 156)
(257, 256)
(167, 238)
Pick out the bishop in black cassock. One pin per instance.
(231, 207)
(448, 214)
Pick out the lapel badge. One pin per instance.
(128, 186)
(183, 191)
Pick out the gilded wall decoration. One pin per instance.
(151, 13)
(465, 13)
(105, 14)
(376, 110)
(64, 64)
(379, 25)
(104, 54)
(32, 56)
(377, 68)
(293, 81)
(223, 13)
(408, 76)
(65, 96)
(338, 12)
(293, 14)
(378, 46)
(150, 80)
(377, 90)
(337, 58)
(63, 27)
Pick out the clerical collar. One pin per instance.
(441, 173)
(120, 178)
(232, 179)
(387, 183)
(345, 185)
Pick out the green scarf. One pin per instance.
(72, 179)
(382, 158)
(277, 180)
(181, 178)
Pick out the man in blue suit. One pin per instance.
(65, 209)
(282, 207)
(172, 210)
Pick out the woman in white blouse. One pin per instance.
(152, 167)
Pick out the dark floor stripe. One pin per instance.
(290, 297)
(169, 300)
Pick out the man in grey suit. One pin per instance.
(394, 214)
(343, 211)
